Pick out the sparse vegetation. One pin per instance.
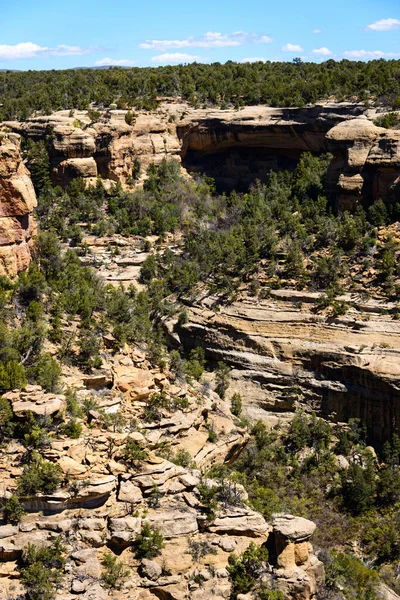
(148, 542)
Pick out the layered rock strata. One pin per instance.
(105, 499)
(285, 356)
(17, 202)
(233, 147)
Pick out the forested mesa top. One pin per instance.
(272, 83)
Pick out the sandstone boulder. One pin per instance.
(295, 529)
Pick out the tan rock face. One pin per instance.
(351, 368)
(234, 147)
(366, 162)
(299, 572)
(17, 201)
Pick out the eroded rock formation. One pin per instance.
(233, 147)
(17, 202)
(105, 500)
(344, 368)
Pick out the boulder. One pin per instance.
(129, 492)
(239, 521)
(150, 569)
(294, 529)
(124, 530)
(175, 523)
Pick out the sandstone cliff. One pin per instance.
(234, 147)
(281, 352)
(17, 202)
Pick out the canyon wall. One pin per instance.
(233, 147)
(284, 356)
(17, 202)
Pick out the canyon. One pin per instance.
(284, 355)
(346, 367)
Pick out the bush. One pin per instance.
(7, 425)
(236, 404)
(309, 431)
(148, 542)
(183, 458)
(39, 476)
(246, 571)
(48, 373)
(200, 549)
(358, 488)
(114, 572)
(74, 409)
(42, 570)
(12, 376)
(13, 510)
(129, 118)
(389, 121)
(72, 430)
(93, 114)
(348, 576)
(222, 378)
(133, 454)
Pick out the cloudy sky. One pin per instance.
(45, 34)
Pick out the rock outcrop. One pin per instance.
(366, 163)
(234, 147)
(105, 499)
(285, 356)
(298, 571)
(17, 202)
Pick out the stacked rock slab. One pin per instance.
(299, 572)
(17, 202)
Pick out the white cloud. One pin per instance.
(114, 62)
(316, 31)
(264, 39)
(31, 50)
(322, 51)
(253, 59)
(175, 58)
(292, 48)
(384, 25)
(212, 39)
(366, 54)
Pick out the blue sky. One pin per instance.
(44, 34)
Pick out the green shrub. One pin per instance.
(358, 488)
(7, 425)
(222, 379)
(130, 118)
(72, 429)
(133, 454)
(266, 594)
(42, 570)
(389, 121)
(148, 542)
(39, 476)
(12, 376)
(246, 571)
(48, 373)
(348, 576)
(93, 114)
(13, 510)
(236, 404)
(183, 458)
(114, 572)
(74, 409)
